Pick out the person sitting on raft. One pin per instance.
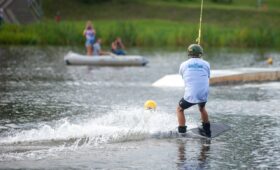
(97, 48)
(89, 33)
(117, 47)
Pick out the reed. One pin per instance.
(141, 33)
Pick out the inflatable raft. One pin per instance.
(106, 60)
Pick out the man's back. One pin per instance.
(195, 73)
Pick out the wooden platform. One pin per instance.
(222, 77)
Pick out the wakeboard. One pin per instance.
(216, 130)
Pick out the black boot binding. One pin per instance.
(182, 129)
(205, 130)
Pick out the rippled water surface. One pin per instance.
(55, 116)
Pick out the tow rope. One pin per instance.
(198, 40)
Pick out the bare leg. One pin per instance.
(181, 116)
(89, 50)
(205, 122)
(204, 115)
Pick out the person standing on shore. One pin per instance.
(195, 73)
(1, 16)
(57, 17)
(89, 33)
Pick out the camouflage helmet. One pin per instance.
(195, 50)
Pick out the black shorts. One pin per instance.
(184, 104)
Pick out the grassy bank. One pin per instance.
(153, 23)
(141, 33)
(170, 10)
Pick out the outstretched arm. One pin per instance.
(84, 33)
(113, 46)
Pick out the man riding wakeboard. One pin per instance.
(195, 73)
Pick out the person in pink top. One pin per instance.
(89, 34)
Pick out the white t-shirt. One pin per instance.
(96, 48)
(195, 73)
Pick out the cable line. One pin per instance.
(198, 40)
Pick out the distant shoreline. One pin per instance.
(152, 24)
(140, 33)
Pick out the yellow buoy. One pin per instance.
(269, 61)
(150, 105)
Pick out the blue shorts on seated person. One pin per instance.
(119, 52)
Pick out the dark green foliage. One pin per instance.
(141, 33)
(106, 1)
(94, 1)
(222, 1)
(153, 23)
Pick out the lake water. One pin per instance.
(54, 116)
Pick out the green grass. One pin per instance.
(244, 11)
(236, 4)
(147, 33)
(153, 23)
